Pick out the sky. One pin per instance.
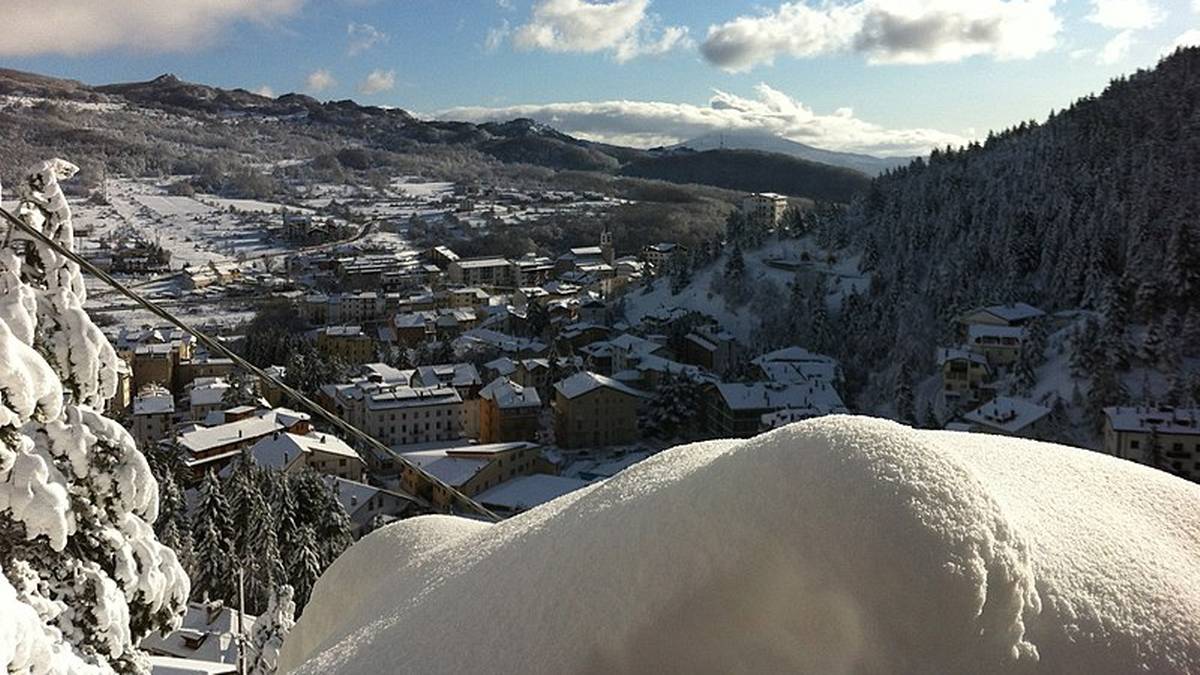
(886, 77)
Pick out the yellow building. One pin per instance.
(1166, 437)
(349, 343)
(965, 374)
(470, 469)
(508, 412)
(592, 410)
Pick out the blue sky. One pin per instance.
(882, 76)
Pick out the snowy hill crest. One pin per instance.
(835, 545)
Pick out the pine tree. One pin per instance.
(80, 550)
(215, 546)
(1151, 349)
(270, 630)
(735, 266)
(905, 410)
(304, 565)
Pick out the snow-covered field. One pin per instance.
(837, 545)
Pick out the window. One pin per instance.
(1134, 445)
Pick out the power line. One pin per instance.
(457, 497)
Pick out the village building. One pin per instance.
(710, 347)
(525, 492)
(206, 395)
(660, 255)
(489, 271)
(470, 469)
(211, 446)
(1009, 416)
(965, 375)
(1000, 344)
(349, 343)
(508, 412)
(209, 633)
(369, 506)
(1166, 437)
(292, 453)
(737, 409)
(764, 209)
(591, 410)
(153, 415)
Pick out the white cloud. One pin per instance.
(378, 81)
(318, 81)
(1190, 38)
(887, 31)
(1126, 14)
(496, 36)
(652, 123)
(86, 26)
(1117, 49)
(621, 27)
(265, 90)
(363, 36)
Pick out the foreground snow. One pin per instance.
(840, 544)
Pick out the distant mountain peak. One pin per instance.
(753, 139)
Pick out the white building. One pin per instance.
(292, 453)
(764, 209)
(153, 415)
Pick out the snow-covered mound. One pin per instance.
(837, 545)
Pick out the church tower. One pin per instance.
(606, 245)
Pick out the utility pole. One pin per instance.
(241, 623)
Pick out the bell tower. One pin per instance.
(606, 245)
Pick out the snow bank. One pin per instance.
(840, 544)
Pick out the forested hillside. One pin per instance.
(1097, 208)
(752, 171)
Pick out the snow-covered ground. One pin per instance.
(837, 545)
(842, 277)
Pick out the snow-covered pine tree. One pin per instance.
(304, 564)
(270, 630)
(82, 577)
(215, 543)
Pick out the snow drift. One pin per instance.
(837, 545)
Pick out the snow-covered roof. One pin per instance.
(1013, 313)
(768, 396)
(397, 397)
(208, 393)
(455, 471)
(634, 345)
(978, 330)
(1164, 420)
(492, 261)
(526, 492)
(509, 394)
(159, 402)
(836, 500)
(945, 354)
(280, 450)
(451, 374)
(582, 383)
(353, 495)
(244, 430)
(1007, 414)
(212, 626)
(501, 341)
(503, 366)
(173, 665)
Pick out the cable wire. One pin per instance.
(457, 497)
